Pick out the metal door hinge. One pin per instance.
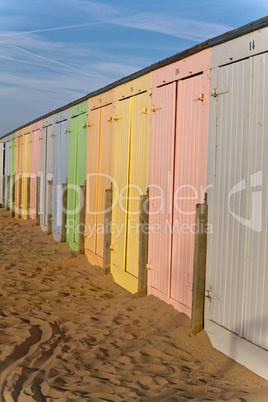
(200, 98)
(216, 91)
(155, 108)
(116, 117)
(211, 295)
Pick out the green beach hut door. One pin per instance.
(77, 151)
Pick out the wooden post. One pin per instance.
(20, 197)
(8, 193)
(200, 248)
(143, 245)
(37, 206)
(64, 211)
(82, 219)
(107, 231)
(13, 197)
(49, 206)
(28, 195)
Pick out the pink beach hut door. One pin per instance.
(177, 182)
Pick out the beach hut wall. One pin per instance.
(236, 304)
(46, 172)
(77, 154)
(131, 176)
(60, 169)
(178, 169)
(100, 133)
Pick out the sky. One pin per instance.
(53, 52)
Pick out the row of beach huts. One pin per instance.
(161, 178)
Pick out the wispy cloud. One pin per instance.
(37, 75)
(163, 23)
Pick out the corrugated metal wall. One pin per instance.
(178, 167)
(60, 169)
(77, 150)
(131, 166)
(99, 164)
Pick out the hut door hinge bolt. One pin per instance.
(116, 117)
(155, 108)
(216, 92)
(200, 98)
(211, 295)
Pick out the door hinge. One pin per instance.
(155, 108)
(200, 98)
(216, 91)
(211, 295)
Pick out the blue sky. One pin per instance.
(53, 52)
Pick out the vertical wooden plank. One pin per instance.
(49, 207)
(107, 231)
(200, 248)
(143, 244)
(81, 228)
(64, 211)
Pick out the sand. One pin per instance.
(69, 333)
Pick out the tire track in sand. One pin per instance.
(23, 371)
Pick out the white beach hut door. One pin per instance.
(237, 273)
(256, 295)
(232, 103)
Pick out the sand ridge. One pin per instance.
(67, 333)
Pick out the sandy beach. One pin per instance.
(69, 333)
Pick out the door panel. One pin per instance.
(77, 150)
(122, 153)
(189, 182)
(46, 171)
(105, 168)
(92, 169)
(233, 135)
(160, 190)
(138, 176)
(256, 296)
(60, 167)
